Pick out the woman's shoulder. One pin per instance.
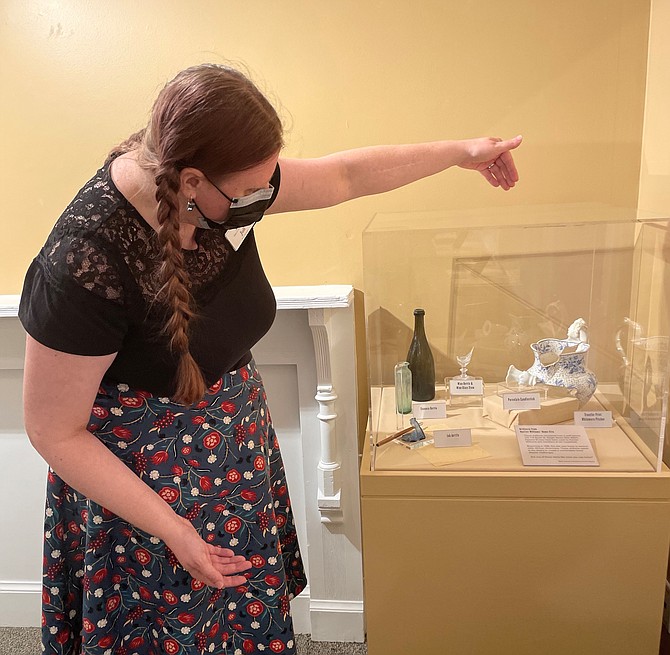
(81, 247)
(95, 205)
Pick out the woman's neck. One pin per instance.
(139, 189)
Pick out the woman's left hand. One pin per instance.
(491, 156)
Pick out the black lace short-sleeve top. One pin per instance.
(91, 291)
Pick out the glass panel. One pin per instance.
(500, 290)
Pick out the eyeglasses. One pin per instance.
(245, 201)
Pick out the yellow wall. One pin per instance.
(655, 171)
(78, 76)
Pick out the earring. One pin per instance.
(190, 205)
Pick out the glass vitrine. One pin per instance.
(590, 295)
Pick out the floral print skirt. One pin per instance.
(111, 589)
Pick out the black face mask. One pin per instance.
(242, 212)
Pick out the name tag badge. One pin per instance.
(237, 236)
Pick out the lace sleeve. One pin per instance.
(73, 299)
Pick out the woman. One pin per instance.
(168, 522)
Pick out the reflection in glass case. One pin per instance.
(573, 316)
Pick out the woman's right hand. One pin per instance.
(215, 566)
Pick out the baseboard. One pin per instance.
(323, 620)
(20, 604)
(337, 620)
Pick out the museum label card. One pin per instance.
(430, 409)
(466, 387)
(555, 445)
(594, 419)
(452, 438)
(529, 400)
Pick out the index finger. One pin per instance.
(510, 168)
(220, 550)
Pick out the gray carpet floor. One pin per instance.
(26, 641)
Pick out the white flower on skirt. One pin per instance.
(227, 420)
(117, 411)
(98, 593)
(102, 623)
(218, 481)
(55, 553)
(212, 458)
(187, 438)
(248, 475)
(154, 475)
(122, 445)
(122, 387)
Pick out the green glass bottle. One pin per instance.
(421, 361)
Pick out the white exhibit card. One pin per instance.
(555, 445)
(466, 387)
(529, 400)
(594, 419)
(452, 438)
(429, 409)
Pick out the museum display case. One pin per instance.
(497, 295)
(534, 476)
